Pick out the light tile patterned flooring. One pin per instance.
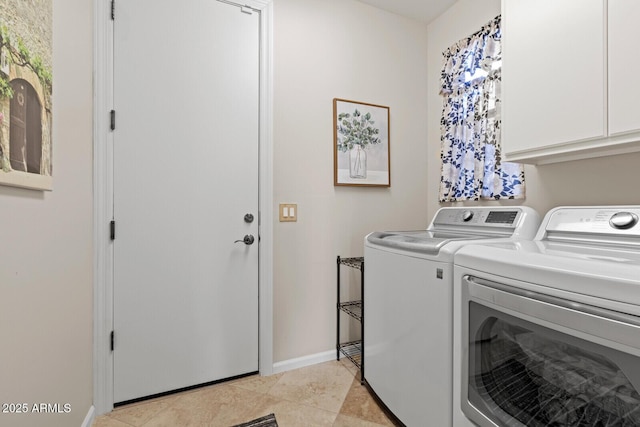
(327, 394)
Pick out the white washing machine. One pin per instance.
(547, 332)
(408, 304)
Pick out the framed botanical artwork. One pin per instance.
(25, 94)
(360, 144)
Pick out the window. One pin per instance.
(472, 167)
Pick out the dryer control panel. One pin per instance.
(585, 223)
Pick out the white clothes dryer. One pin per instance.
(547, 332)
(408, 295)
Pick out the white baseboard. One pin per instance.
(88, 420)
(301, 362)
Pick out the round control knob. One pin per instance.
(467, 215)
(623, 220)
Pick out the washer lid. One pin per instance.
(427, 242)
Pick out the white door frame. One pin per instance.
(103, 197)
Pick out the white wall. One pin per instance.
(607, 180)
(338, 49)
(46, 249)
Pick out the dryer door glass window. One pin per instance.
(521, 373)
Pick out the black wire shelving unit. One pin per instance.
(352, 350)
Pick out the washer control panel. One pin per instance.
(499, 217)
(494, 221)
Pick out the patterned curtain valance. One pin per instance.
(466, 57)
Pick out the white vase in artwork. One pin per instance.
(357, 162)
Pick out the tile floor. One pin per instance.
(327, 394)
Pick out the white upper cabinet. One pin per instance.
(566, 91)
(624, 66)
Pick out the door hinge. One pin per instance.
(113, 10)
(113, 119)
(112, 230)
(112, 339)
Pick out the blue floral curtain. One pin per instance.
(470, 126)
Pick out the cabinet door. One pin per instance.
(624, 66)
(553, 79)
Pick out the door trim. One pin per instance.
(103, 198)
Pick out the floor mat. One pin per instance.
(266, 421)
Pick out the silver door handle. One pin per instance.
(247, 240)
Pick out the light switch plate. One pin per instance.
(288, 212)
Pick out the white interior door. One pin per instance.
(186, 84)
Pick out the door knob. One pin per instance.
(248, 218)
(247, 240)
